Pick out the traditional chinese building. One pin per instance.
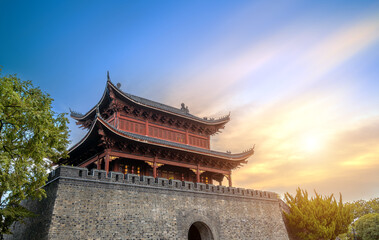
(145, 170)
(130, 134)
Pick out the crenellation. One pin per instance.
(240, 191)
(222, 189)
(175, 183)
(145, 207)
(188, 185)
(142, 180)
(211, 188)
(199, 187)
(133, 178)
(127, 178)
(161, 182)
(148, 181)
(257, 193)
(97, 174)
(116, 177)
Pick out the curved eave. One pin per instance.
(240, 157)
(84, 138)
(221, 121)
(81, 117)
(76, 116)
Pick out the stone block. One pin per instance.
(116, 177)
(161, 182)
(175, 184)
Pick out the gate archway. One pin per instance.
(199, 231)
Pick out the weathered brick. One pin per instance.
(98, 207)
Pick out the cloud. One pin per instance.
(283, 105)
(284, 92)
(343, 45)
(349, 161)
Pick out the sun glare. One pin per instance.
(311, 144)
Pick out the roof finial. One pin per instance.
(184, 108)
(108, 78)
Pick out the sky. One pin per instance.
(300, 78)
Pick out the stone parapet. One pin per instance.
(76, 173)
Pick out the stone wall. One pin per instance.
(84, 205)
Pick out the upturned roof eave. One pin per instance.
(92, 110)
(85, 137)
(216, 122)
(221, 121)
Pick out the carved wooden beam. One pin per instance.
(137, 112)
(154, 117)
(171, 121)
(145, 114)
(163, 119)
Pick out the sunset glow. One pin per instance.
(312, 144)
(301, 79)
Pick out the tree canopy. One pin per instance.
(32, 136)
(367, 227)
(318, 217)
(366, 215)
(362, 207)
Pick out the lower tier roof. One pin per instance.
(101, 124)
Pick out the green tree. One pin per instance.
(362, 207)
(31, 137)
(367, 227)
(317, 217)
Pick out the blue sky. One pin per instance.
(300, 78)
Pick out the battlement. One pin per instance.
(100, 176)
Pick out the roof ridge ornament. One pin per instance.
(108, 78)
(184, 108)
(98, 111)
(75, 113)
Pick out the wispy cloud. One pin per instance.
(295, 111)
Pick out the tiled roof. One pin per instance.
(171, 109)
(151, 104)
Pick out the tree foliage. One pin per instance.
(31, 136)
(317, 217)
(367, 227)
(362, 207)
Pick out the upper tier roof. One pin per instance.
(148, 104)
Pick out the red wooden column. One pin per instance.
(116, 166)
(98, 163)
(198, 173)
(155, 167)
(147, 127)
(187, 138)
(107, 161)
(117, 120)
(230, 179)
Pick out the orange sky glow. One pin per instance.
(302, 117)
(300, 78)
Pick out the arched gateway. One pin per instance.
(199, 231)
